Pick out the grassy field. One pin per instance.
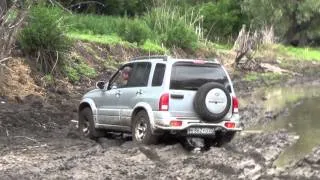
(299, 53)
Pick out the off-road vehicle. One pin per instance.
(157, 95)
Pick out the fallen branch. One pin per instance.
(26, 138)
(6, 67)
(5, 59)
(53, 2)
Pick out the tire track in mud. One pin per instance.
(245, 157)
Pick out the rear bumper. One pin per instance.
(162, 122)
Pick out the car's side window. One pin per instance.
(140, 74)
(158, 74)
(121, 78)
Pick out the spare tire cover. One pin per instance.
(212, 102)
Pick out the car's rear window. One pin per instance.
(190, 76)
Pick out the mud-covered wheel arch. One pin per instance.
(221, 101)
(87, 125)
(141, 128)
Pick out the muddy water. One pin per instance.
(302, 118)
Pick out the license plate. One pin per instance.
(200, 130)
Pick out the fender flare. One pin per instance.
(92, 105)
(148, 109)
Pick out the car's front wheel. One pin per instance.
(86, 124)
(141, 129)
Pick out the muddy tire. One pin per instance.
(86, 125)
(220, 139)
(141, 129)
(212, 102)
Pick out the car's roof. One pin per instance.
(171, 59)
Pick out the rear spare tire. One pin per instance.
(212, 102)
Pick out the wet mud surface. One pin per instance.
(37, 141)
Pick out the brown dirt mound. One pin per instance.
(17, 82)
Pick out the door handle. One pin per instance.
(139, 92)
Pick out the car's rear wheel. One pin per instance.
(86, 124)
(141, 129)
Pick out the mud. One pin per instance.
(37, 141)
(66, 158)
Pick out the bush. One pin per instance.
(44, 38)
(181, 36)
(134, 31)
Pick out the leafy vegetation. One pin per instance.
(150, 46)
(174, 26)
(222, 19)
(134, 30)
(295, 21)
(44, 38)
(77, 68)
(161, 26)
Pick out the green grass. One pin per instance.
(267, 77)
(225, 47)
(299, 53)
(102, 39)
(94, 24)
(77, 68)
(148, 46)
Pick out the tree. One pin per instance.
(223, 18)
(3, 6)
(295, 21)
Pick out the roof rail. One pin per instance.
(150, 57)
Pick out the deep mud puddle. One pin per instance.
(300, 112)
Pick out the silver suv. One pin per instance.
(155, 95)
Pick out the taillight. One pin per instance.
(235, 104)
(164, 102)
(175, 123)
(230, 125)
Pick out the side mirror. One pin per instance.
(101, 84)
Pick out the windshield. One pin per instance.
(190, 76)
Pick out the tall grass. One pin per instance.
(175, 26)
(94, 24)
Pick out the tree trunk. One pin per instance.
(3, 6)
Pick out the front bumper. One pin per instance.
(162, 122)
